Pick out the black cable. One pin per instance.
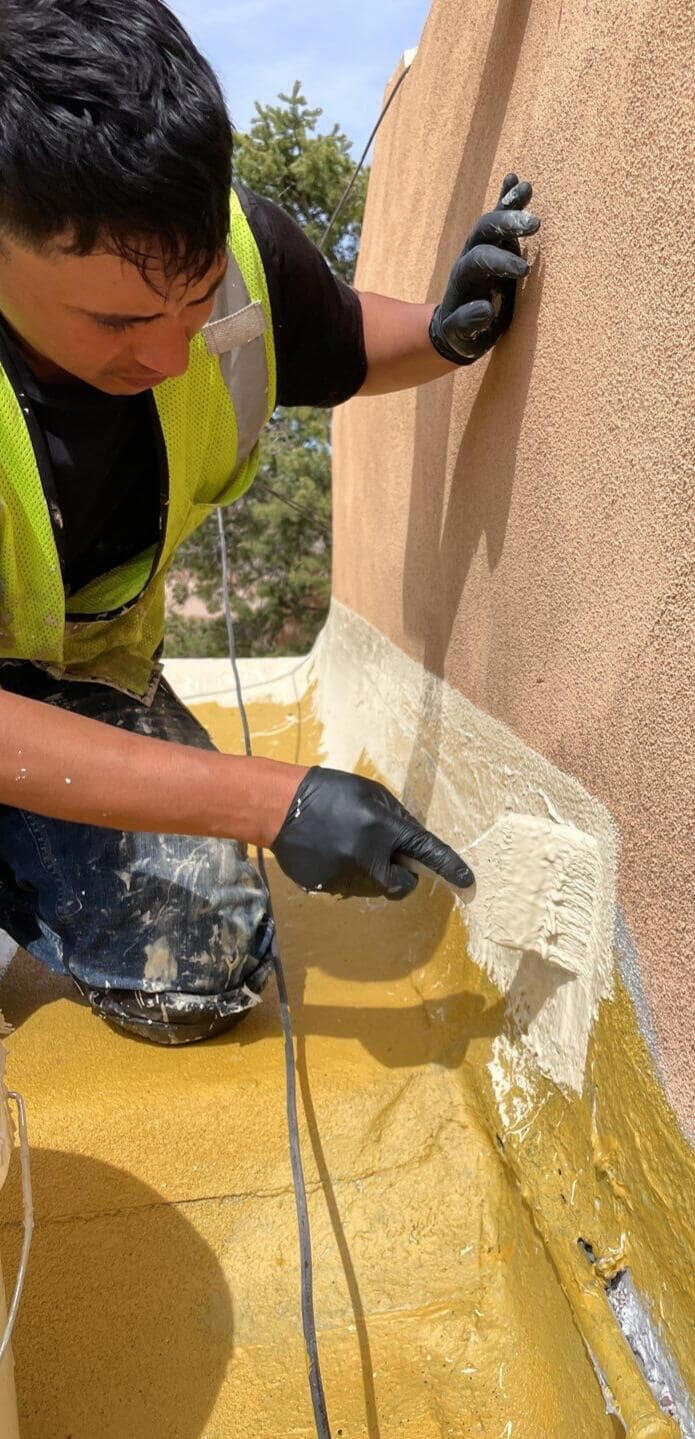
(348, 188)
(292, 505)
(318, 1398)
(230, 634)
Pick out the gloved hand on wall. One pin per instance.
(341, 835)
(479, 302)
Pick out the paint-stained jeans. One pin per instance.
(166, 935)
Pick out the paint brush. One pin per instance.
(537, 882)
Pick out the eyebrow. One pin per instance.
(147, 319)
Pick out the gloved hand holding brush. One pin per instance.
(349, 835)
(479, 302)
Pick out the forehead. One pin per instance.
(98, 281)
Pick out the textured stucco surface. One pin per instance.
(526, 529)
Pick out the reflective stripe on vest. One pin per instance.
(210, 419)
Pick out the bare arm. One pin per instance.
(400, 353)
(61, 764)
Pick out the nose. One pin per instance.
(163, 348)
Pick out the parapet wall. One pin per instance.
(525, 529)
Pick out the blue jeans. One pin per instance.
(166, 935)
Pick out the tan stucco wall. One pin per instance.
(526, 529)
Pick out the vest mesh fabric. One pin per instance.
(31, 612)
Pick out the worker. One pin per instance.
(152, 314)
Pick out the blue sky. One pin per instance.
(343, 51)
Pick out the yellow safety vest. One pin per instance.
(210, 420)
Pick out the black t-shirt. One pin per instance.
(103, 449)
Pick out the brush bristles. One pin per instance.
(544, 883)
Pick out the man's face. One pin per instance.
(95, 317)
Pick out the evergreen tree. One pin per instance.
(278, 534)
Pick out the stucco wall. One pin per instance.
(525, 530)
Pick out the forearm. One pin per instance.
(399, 350)
(62, 764)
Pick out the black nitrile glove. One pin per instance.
(479, 302)
(342, 832)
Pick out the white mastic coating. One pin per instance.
(458, 770)
(211, 681)
(537, 883)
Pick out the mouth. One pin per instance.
(140, 381)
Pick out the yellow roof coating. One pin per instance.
(163, 1289)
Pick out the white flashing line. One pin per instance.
(458, 770)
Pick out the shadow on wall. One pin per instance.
(436, 566)
(470, 185)
(439, 554)
(128, 1311)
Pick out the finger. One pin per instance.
(508, 184)
(491, 260)
(358, 884)
(384, 879)
(503, 225)
(389, 878)
(399, 882)
(506, 312)
(420, 844)
(518, 197)
(468, 321)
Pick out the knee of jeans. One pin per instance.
(177, 1017)
(193, 915)
(219, 960)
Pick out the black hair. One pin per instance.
(113, 133)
